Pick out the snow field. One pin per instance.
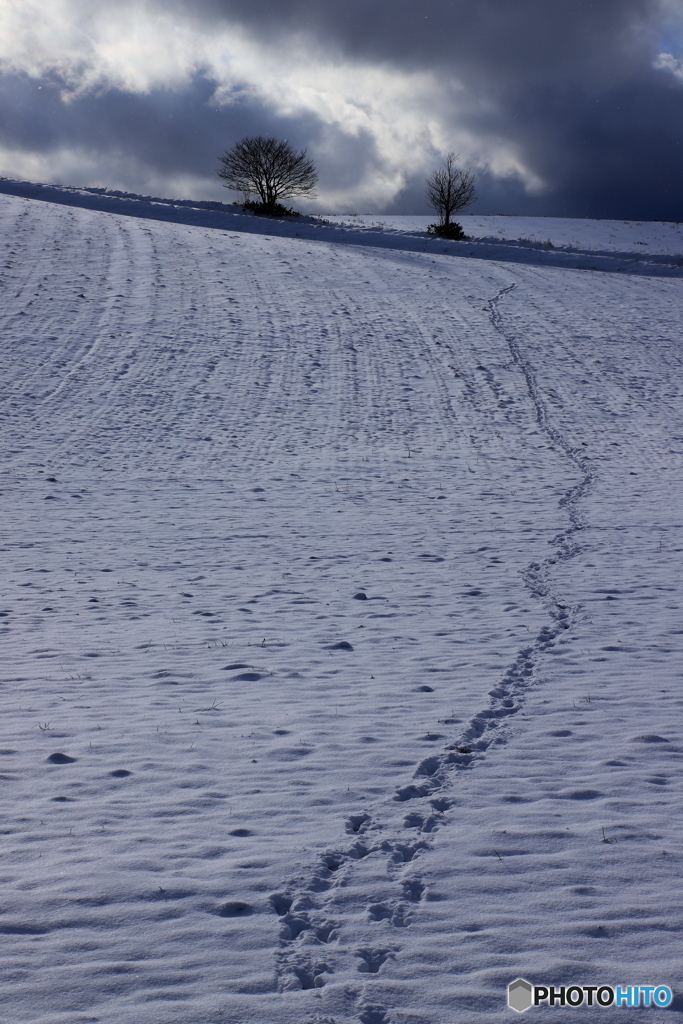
(627, 247)
(285, 525)
(661, 237)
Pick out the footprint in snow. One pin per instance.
(281, 903)
(292, 925)
(357, 822)
(411, 792)
(403, 853)
(61, 759)
(372, 959)
(358, 851)
(234, 908)
(332, 861)
(430, 823)
(298, 926)
(429, 765)
(413, 889)
(297, 971)
(373, 1013)
(327, 932)
(396, 914)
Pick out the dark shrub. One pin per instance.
(452, 231)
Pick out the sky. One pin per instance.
(561, 107)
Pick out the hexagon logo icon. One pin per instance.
(520, 996)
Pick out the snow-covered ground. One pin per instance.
(662, 237)
(610, 246)
(342, 627)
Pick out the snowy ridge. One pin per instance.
(227, 217)
(663, 238)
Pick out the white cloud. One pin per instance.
(136, 47)
(77, 166)
(667, 61)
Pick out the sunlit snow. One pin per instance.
(341, 618)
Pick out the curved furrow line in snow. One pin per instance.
(99, 320)
(343, 358)
(396, 355)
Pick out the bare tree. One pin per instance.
(268, 168)
(450, 189)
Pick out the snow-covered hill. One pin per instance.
(663, 238)
(341, 622)
(653, 249)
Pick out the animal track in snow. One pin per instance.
(235, 909)
(281, 903)
(442, 804)
(372, 959)
(292, 925)
(412, 792)
(403, 853)
(373, 1013)
(358, 822)
(327, 932)
(297, 966)
(306, 919)
(425, 823)
(398, 914)
(358, 851)
(332, 861)
(413, 889)
(299, 971)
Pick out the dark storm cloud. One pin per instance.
(502, 38)
(568, 86)
(167, 130)
(166, 133)
(571, 84)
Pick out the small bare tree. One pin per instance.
(450, 189)
(270, 169)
